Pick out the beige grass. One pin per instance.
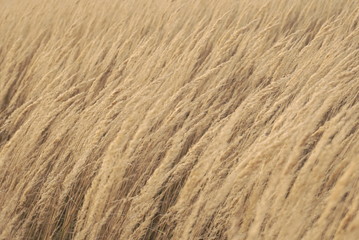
(208, 119)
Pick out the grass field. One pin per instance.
(182, 119)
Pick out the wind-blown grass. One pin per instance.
(209, 119)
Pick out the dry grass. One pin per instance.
(208, 119)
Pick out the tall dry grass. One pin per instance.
(208, 119)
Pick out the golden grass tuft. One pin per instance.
(208, 119)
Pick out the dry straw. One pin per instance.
(179, 119)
